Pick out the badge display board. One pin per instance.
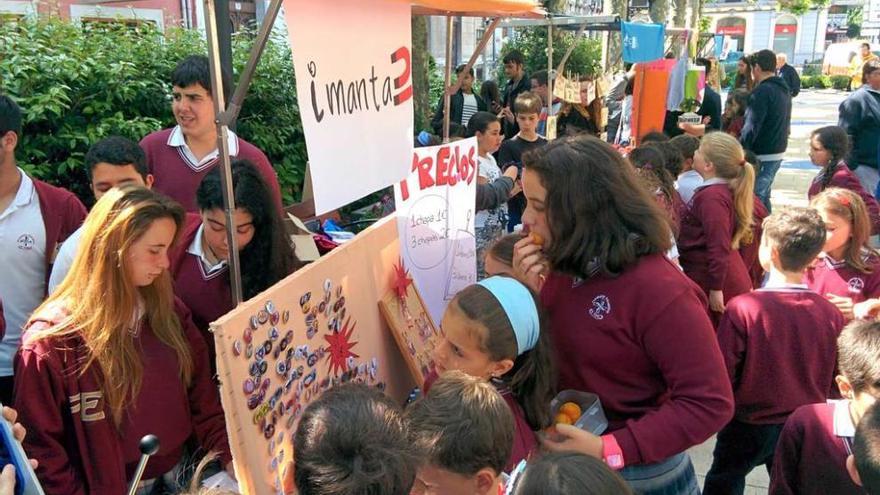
(412, 326)
(319, 327)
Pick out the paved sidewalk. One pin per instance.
(812, 110)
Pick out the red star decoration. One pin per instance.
(339, 349)
(402, 280)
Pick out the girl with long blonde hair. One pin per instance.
(111, 356)
(719, 220)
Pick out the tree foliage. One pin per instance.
(585, 59)
(801, 7)
(78, 84)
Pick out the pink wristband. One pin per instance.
(611, 453)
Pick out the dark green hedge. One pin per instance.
(79, 84)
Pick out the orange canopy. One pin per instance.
(481, 8)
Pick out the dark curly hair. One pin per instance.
(269, 257)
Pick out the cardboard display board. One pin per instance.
(316, 328)
(411, 325)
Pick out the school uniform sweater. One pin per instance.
(70, 429)
(828, 276)
(207, 295)
(810, 457)
(642, 342)
(843, 177)
(780, 348)
(178, 178)
(749, 252)
(62, 214)
(524, 440)
(705, 242)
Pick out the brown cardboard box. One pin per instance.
(301, 239)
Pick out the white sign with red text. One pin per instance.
(354, 86)
(435, 221)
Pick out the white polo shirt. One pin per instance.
(23, 258)
(208, 271)
(177, 140)
(64, 259)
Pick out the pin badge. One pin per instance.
(263, 316)
(249, 351)
(236, 348)
(285, 316)
(248, 335)
(270, 307)
(249, 386)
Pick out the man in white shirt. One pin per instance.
(34, 218)
(111, 162)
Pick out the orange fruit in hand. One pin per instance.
(563, 419)
(571, 410)
(536, 238)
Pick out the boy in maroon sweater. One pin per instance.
(812, 452)
(35, 218)
(465, 430)
(779, 347)
(864, 463)
(179, 157)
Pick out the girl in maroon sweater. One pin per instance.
(718, 221)
(199, 261)
(848, 270)
(828, 147)
(626, 324)
(111, 356)
(492, 330)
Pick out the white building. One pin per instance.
(758, 25)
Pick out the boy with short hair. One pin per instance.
(689, 179)
(111, 162)
(778, 343)
(811, 454)
(181, 156)
(528, 110)
(864, 463)
(465, 429)
(352, 440)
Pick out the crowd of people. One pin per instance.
(658, 280)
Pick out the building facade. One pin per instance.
(753, 26)
(160, 13)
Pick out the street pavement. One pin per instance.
(811, 109)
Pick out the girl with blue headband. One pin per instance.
(492, 330)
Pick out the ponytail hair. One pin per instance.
(848, 205)
(532, 377)
(836, 141)
(728, 157)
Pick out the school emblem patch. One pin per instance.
(856, 284)
(601, 307)
(25, 241)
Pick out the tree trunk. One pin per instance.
(618, 8)
(659, 11)
(421, 88)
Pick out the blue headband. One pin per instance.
(518, 303)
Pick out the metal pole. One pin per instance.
(815, 38)
(550, 77)
(447, 78)
(225, 163)
(453, 88)
(244, 81)
(224, 40)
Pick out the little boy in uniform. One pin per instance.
(812, 452)
(778, 343)
(465, 430)
(864, 463)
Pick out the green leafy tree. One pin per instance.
(801, 7)
(585, 59)
(77, 85)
